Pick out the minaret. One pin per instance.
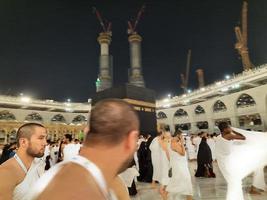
(135, 76)
(135, 72)
(242, 39)
(200, 77)
(105, 63)
(104, 80)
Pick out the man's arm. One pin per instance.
(235, 136)
(178, 147)
(239, 135)
(7, 183)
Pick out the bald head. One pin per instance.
(110, 122)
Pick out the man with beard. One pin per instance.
(108, 149)
(22, 171)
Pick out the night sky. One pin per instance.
(48, 48)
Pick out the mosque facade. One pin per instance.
(58, 117)
(241, 100)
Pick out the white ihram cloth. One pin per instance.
(94, 171)
(46, 152)
(191, 151)
(180, 183)
(32, 175)
(211, 143)
(71, 150)
(135, 153)
(160, 162)
(237, 159)
(258, 179)
(136, 160)
(54, 154)
(196, 141)
(128, 176)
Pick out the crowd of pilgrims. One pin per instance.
(161, 159)
(164, 159)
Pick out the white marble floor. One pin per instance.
(204, 188)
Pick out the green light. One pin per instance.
(98, 82)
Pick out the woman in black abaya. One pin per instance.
(204, 160)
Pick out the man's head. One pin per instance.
(204, 135)
(31, 138)
(161, 128)
(114, 124)
(67, 138)
(224, 128)
(177, 133)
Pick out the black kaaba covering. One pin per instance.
(127, 91)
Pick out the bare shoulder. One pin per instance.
(10, 176)
(6, 171)
(120, 189)
(11, 169)
(72, 182)
(174, 141)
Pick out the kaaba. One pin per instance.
(142, 99)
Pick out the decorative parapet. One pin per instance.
(25, 102)
(218, 88)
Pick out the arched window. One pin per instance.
(184, 127)
(2, 136)
(6, 115)
(79, 119)
(245, 100)
(199, 110)
(34, 117)
(180, 113)
(203, 125)
(250, 120)
(58, 118)
(12, 136)
(161, 115)
(219, 106)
